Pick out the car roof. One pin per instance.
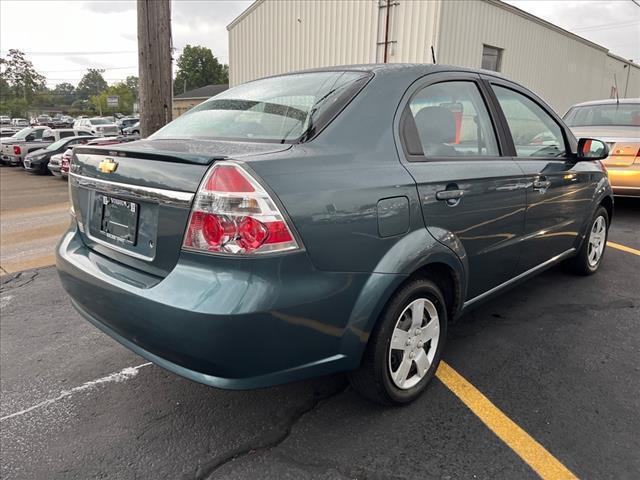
(416, 69)
(610, 101)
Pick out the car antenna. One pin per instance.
(615, 81)
(433, 55)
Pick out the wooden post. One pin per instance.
(154, 64)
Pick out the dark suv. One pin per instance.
(328, 220)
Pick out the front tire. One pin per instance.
(589, 257)
(404, 350)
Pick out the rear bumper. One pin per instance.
(227, 323)
(12, 159)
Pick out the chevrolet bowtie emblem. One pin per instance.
(108, 165)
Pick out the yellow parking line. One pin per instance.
(624, 248)
(534, 454)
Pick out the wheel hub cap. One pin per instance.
(413, 343)
(597, 240)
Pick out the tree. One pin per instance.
(20, 75)
(64, 89)
(132, 83)
(197, 67)
(91, 84)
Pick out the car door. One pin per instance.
(559, 192)
(472, 195)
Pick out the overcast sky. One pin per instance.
(64, 38)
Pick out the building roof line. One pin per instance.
(553, 26)
(246, 12)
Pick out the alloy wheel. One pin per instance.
(597, 239)
(414, 343)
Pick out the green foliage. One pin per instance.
(132, 82)
(197, 67)
(91, 84)
(14, 107)
(19, 76)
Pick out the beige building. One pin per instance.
(188, 100)
(276, 36)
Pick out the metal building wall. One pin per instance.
(278, 36)
(560, 67)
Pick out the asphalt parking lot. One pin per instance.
(557, 361)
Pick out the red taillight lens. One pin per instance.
(227, 178)
(233, 214)
(16, 150)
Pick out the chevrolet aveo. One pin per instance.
(328, 220)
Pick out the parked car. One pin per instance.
(19, 122)
(133, 129)
(44, 121)
(37, 161)
(55, 163)
(7, 132)
(15, 151)
(328, 220)
(97, 126)
(616, 122)
(5, 120)
(127, 122)
(15, 147)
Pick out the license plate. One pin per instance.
(119, 220)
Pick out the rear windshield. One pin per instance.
(280, 109)
(99, 121)
(622, 115)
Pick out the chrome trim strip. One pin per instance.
(149, 194)
(543, 265)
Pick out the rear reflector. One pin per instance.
(233, 214)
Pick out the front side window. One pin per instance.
(278, 109)
(619, 115)
(535, 133)
(452, 121)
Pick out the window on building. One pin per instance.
(491, 58)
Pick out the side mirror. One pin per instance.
(592, 149)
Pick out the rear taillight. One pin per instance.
(16, 150)
(233, 214)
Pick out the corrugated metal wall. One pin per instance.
(559, 67)
(277, 36)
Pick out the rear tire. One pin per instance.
(404, 350)
(590, 255)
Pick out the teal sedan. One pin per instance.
(331, 220)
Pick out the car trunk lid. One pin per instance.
(132, 201)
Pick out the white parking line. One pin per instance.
(121, 376)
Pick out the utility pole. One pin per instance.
(154, 64)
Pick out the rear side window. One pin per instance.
(535, 133)
(281, 109)
(66, 134)
(452, 121)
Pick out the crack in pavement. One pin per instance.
(8, 284)
(271, 440)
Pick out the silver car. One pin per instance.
(617, 123)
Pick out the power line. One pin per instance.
(606, 26)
